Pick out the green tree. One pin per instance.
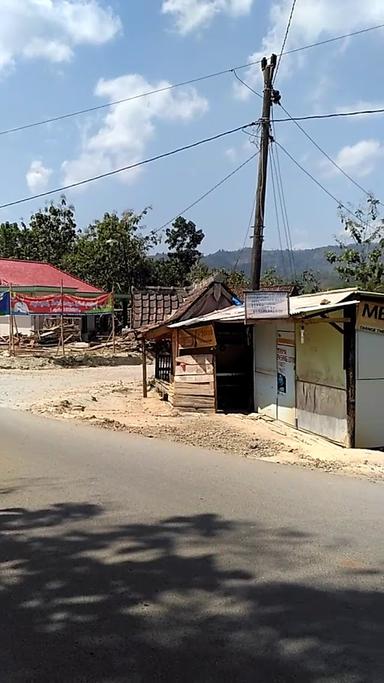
(11, 241)
(113, 252)
(271, 278)
(236, 281)
(360, 261)
(182, 239)
(51, 233)
(307, 282)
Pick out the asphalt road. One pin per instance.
(129, 559)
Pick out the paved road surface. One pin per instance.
(126, 559)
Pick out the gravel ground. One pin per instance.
(22, 389)
(111, 398)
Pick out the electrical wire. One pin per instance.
(203, 196)
(320, 149)
(332, 115)
(251, 218)
(127, 168)
(284, 205)
(241, 251)
(191, 81)
(283, 210)
(282, 251)
(319, 184)
(311, 117)
(246, 84)
(285, 38)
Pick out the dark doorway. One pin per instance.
(233, 368)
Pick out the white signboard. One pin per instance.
(264, 305)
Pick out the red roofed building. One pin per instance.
(32, 275)
(37, 277)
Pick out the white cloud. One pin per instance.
(359, 159)
(128, 127)
(38, 176)
(312, 20)
(232, 153)
(194, 14)
(51, 29)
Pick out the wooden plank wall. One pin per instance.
(194, 383)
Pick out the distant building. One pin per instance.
(37, 278)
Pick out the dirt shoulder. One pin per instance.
(110, 397)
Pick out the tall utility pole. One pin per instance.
(269, 96)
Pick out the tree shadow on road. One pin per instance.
(86, 600)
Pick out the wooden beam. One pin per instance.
(350, 373)
(144, 361)
(313, 321)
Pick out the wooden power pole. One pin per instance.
(269, 94)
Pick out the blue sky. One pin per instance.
(57, 56)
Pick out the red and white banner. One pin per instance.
(61, 304)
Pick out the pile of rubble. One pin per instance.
(48, 339)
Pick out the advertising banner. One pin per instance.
(57, 304)
(4, 303)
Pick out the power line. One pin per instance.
(332, 115)
(326, 41)
(295, 121)
(310, 117)
(203, 196)
(280, 203)
(332, 161)
(246, 84)
(191, 81)
(127, 168)
(283, 209)
(285, 37)
(241, 251)
(319, 184)
(285, 270)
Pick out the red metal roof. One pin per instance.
(38, 274)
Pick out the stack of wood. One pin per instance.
(51, 335)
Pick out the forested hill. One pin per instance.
(304, 259)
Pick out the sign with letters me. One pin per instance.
(370, 316)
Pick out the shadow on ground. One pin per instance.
(83, 601)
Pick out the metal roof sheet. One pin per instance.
(323, 307)
(298, 305)
(232, 314)
(309, 302)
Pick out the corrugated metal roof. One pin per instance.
(232, 314)
(298, 305)
(319, 301)
(325, 307)
(38, 274)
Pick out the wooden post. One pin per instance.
(144, 360)
(258, 231)
(62, 321)
(11, 343)
(113, 323)
(350, 373)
